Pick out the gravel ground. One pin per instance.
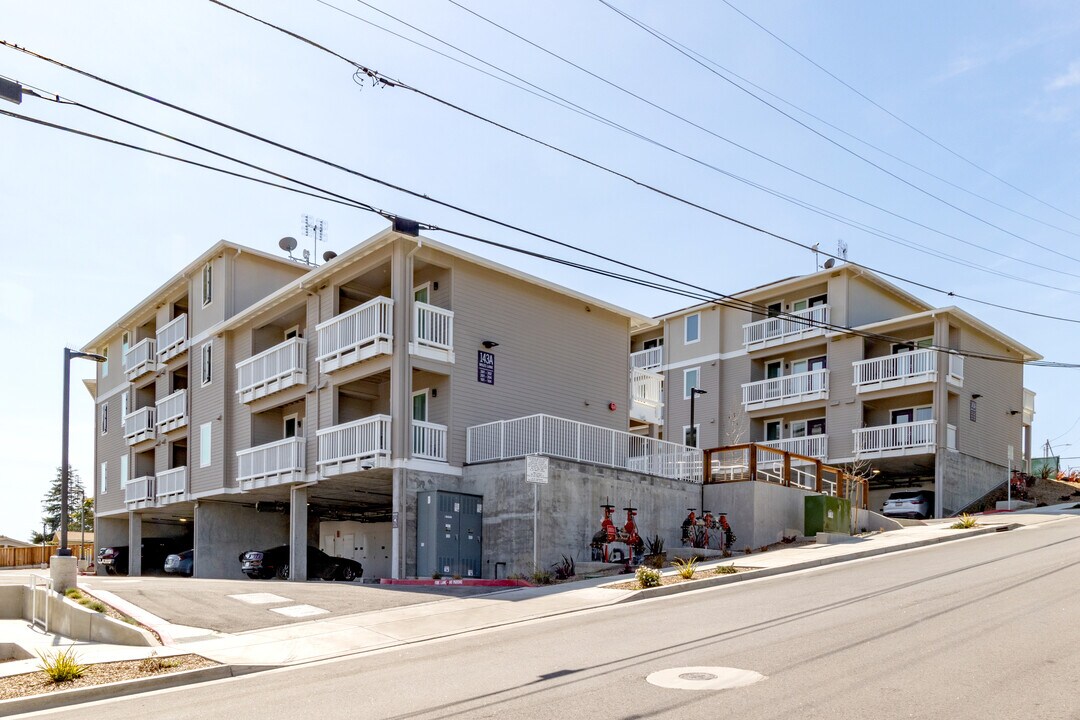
(37, 683)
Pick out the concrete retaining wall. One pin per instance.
(70, 619)
(569, 512)
(966, 479)
(224, 530)
(759, 513)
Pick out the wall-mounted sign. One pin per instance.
(485, 367)
(971, 411)
(536, 469)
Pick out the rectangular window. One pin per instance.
(123, 471)
(123, 405)
(692, 328)
(104, 418)
(690, 437)
(125, 343)
(420, 405)
(207, 363)
(205, 437)
(104, 478)
(105, 365)
(691, 379)
(207, 284)
(653, 343)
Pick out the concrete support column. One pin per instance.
(397, 531)
(64, 572)
(298, 532)
(134, 544)
(400, 395)
(941, 413)
(1027, 449)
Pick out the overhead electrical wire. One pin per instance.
(507, 225)
(614, 124)
(896, 117)
(702, 294)
(837, 128)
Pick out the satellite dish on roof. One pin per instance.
(329, 255)
(829, 263)
(288, 244)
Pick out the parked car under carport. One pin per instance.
(274, 562)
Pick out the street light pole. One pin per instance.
(694, 392)
(65, 471)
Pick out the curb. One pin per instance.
(462, 582)
(690, 585)
(108, 691)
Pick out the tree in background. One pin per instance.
(80, 507)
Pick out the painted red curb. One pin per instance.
(468, 582)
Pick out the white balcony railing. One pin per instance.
(271, 464)
(558, 437)
(786, 390)
(273, 370)
(428, 441)
(140, 359)
(900, 439)
(172, 411)
(815, 446)
(172, 338)
(646, 396)
(139, 490)
(898, 370)
(651, 359)
(433, 332)
(171, 485)
(353, 446)
(356, 335)
(139, 425)
(786, 328)
(1029, 406)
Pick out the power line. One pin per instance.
(896, 117)
(706, 130)
(841, 130)
(833, 141)
(393, 83)
(705, 296)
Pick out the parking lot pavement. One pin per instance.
(232, 606)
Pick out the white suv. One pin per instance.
(917, 504)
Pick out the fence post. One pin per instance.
(787, 469)
(752, 462)
(706, 467)
(817, 476)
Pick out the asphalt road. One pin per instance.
(979, 628)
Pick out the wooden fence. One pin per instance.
(36, 555)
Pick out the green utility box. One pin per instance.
(825, 513)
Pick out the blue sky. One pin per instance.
(89, 230)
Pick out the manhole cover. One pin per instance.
(704, 678)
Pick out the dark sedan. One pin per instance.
(258, 564)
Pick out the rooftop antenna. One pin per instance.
(814, 249)
(841, 249)
(288, 244)
(314, 228)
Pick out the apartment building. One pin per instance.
(252, 401)
(888, 399)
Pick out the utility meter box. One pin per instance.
(448, 534)
(825, 513)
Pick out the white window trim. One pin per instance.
(104, 479)
(206, 444)
(773, 362)
(779, 429)
(806, 427)
(105, 365)
(914, 412)
(656, 342)
(426, 392)
(913, 343)
(807, 299)
(206, 369)
(295, 417)
(293, 329)
(697, 434)
(207, 278)
(124, 471)
(686, 389)
(105, 418)
(422, 286)
(125, 405)
(686, 328)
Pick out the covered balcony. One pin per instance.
(354, 446)
(646, 396)
(141, 359)
(904, 369)
(786, 328)
(139, 492)
(651, 359)
(140, 426)
(428, 441)
(171, 486)
(814, 446)
(898, 439)
(277, 463)
(1029, 406)
(172, 411)
(172, 339)
(433, 332)
(786, 390)
(273, 370)
(356, 335)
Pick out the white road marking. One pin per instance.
(299, 610)
(259, 598)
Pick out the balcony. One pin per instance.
(172, 411)
(140, 359)
(139, 492)
(787, 390)
(354, 446)
(428, 441)
(275, 463)
(651, 359)
(140, 425)
(171, 486)
(646, 396)
(172, 339)
(815, 446)
(912, 438)
(905, 369)
(273, 370)
(356, 335)
(433, 332)
(787, 328)
(1029, 406)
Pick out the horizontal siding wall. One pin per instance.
(107, 448)
(1001, 385)
(844, 412)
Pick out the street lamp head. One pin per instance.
(698, 391)
(89, 356)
